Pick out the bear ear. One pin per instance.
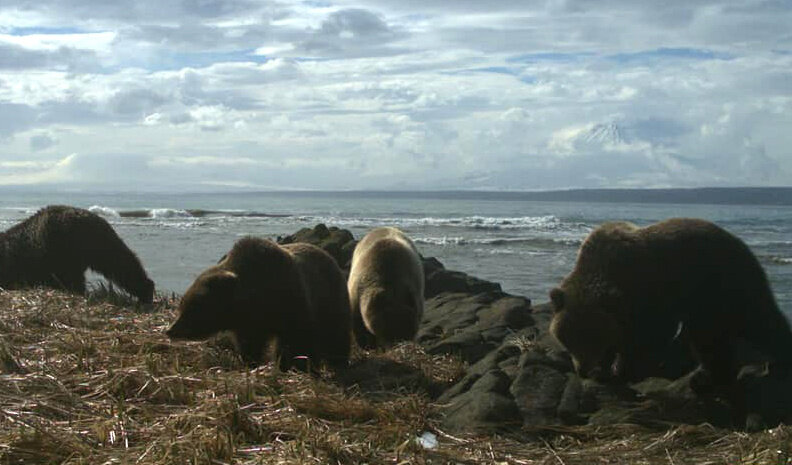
(223, 279)
(226, 274)
(557, 297)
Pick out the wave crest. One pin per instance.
(537, 241)
(104, 211)
(544, 223)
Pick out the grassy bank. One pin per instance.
(92, 381)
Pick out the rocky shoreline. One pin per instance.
(94, 379)
(519, 376)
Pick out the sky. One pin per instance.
(205, 95)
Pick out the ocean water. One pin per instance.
(527, 246)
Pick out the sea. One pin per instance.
(527, 246)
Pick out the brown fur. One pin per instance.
(56, 245)
(633, 289)
(292, 295)
(386, 288)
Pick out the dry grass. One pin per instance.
(83, 381)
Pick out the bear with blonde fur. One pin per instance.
(386, 288)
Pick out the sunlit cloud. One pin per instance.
(395, 94)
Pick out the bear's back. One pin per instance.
(254, 260)
(385, 256)
(699, 250)
(319, 272)
(326, 293)
(56, 234)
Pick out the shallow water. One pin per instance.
(527, 246)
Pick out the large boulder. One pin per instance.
(519, 376)
(440, 280)
(472, 325)
(339, 243)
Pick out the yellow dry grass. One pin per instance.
(87, 381)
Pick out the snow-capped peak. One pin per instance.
(603, 134)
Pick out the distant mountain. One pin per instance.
(778, 196)
(603, 134)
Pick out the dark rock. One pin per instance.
(666, 388)
(654, 402)
(520, 376)
(596, 394)
(613, 414)
(537, 391)
(431, 265)
(484, 406)
(571, 400)
(539, 355)
(491, 363)
(472, 325)
(339, 243)
(510, 366)
(440, 280)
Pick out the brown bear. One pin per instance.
(634, 291)
(293, 295)
(386, 288)
(58, 243)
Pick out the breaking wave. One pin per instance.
(103, 211)
(536, 241)
(164, 213)
(539, 223)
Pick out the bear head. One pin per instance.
(590, 333)
(392, 316)
(204, 309)
(145, 294)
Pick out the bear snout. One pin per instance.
(557, 298)
(176, 331)
(146, 296)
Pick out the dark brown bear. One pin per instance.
(386, 288)
(56, 245)
(634, 290)
(293, 294)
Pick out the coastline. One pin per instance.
(94, 378)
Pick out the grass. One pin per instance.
(94, 381)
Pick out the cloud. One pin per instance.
(14, 57)
(33, 173)
(404, 94)
(351, 33)
(135, 101)
(40, 142)
(15, 117)
(50, 12)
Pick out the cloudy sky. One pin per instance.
(395, 94)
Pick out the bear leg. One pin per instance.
(718, 374)
(118, 264)
(251, 349)
(295, 350)
(716, 355)
(72, 281)
(335, 348)
(364, 338)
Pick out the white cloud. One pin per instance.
(396, 94)
(32, 172)
(40, 142)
